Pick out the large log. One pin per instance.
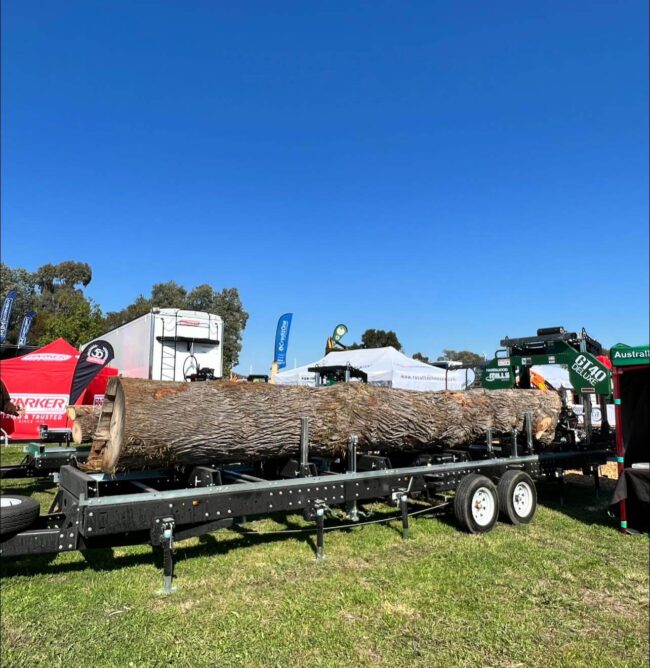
(152, 423)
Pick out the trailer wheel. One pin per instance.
(517, 497)
(17, 513)
(476, 504)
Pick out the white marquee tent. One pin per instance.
(384, 366)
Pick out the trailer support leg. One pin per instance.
(353, 511)
(403, 502)
(167, 544)
(528, 418)
(320, 533)
(561, 483)
(596, 474)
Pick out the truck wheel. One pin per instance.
(476, 504)
(17, 513)
(517, 497)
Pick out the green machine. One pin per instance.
(553, 345)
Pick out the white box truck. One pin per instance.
(168, 344)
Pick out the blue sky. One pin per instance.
(454, 171)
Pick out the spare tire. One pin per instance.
(17, 513)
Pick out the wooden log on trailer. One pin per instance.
(149, 424)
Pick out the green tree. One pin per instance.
(53, 291)
(169, 295)
(379, 338)
(24, 283)
(421, 358)
(462, 356)
(79, 321)
(116, 318)
(228, 305)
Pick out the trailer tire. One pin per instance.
(476, 504)
(17, 513)
(517, 497)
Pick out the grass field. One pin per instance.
(567, 590)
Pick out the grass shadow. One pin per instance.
(577, 498)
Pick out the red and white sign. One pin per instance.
(43, 404)
(39, 383)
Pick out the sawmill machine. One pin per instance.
(580, 353)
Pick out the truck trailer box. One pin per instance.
(167, 344)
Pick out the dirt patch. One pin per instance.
(616, 606)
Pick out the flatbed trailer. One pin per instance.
(94, 510)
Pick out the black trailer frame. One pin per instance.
(42, 461)
(158, 507)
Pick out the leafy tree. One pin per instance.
(227, 304)
(168, 295)
(116, 318)
(67, 275)
(24, 283)
(61, 308)
(377, 338)
(462, 356)
(78, 322)
(421, 358)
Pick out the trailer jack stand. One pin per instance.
(596, 474)
(403, 503)
(167, 544)
(320, 533)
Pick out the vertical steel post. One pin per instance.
(586, 417)
(320, 526)
(596, 474)
(513, 438)
(620, 444)
(529, 431)
(353, 512)
(488, 440)
(403, 502)
(304, 446)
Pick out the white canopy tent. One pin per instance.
(384, 366)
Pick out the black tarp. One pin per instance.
(635, 405)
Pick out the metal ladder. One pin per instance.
(167, 356)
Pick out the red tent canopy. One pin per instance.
(39, 382)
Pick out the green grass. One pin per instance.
(567, 590)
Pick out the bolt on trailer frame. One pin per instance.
(160, 507)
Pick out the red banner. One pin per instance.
(39, 383)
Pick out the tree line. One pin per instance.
(56, 293)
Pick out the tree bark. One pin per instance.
(147, 424)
